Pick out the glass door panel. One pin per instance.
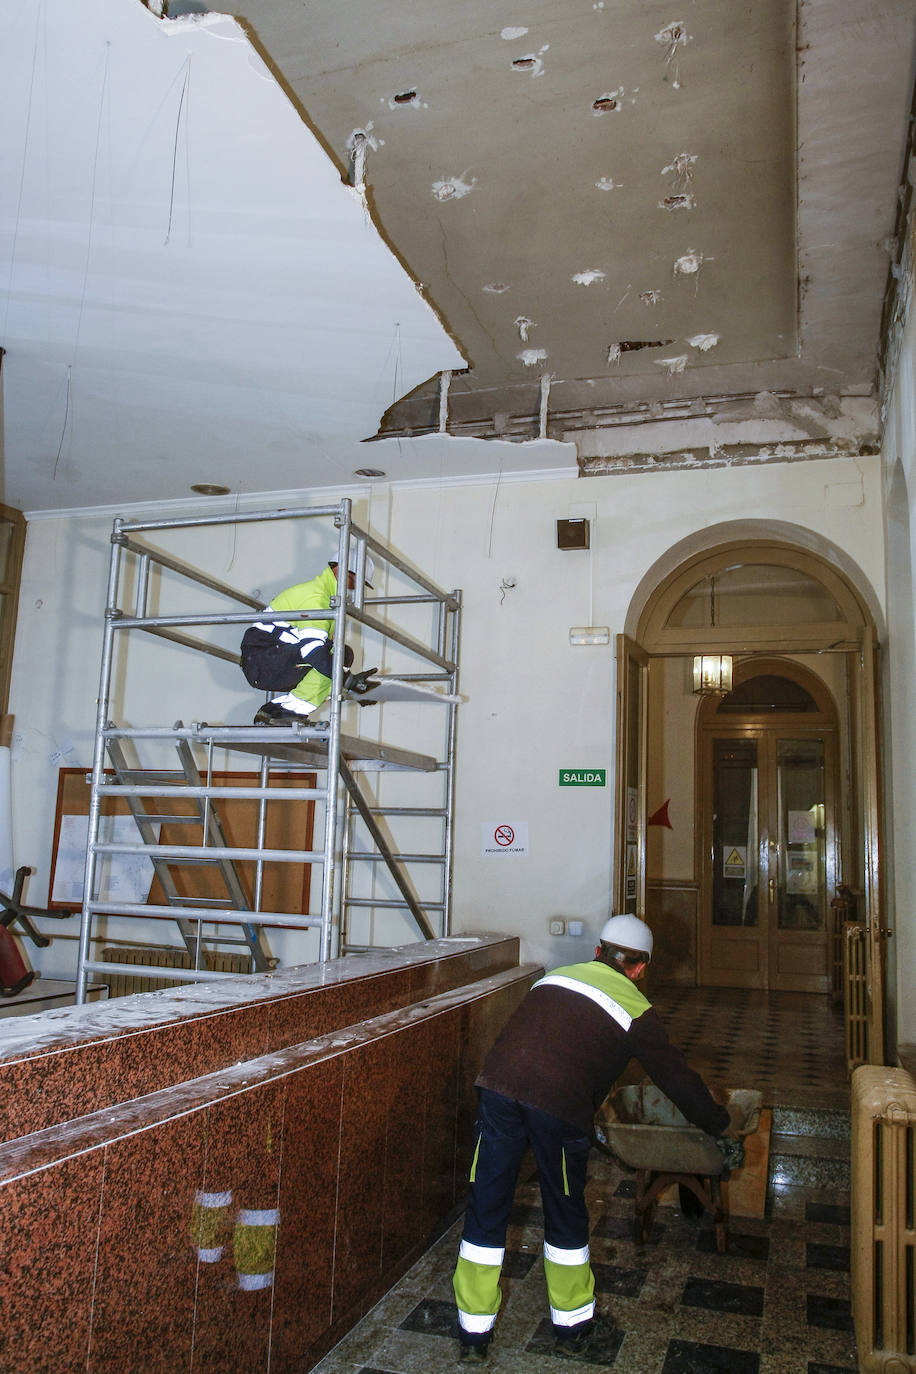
(805, 869)
(802, 898)
(734, 843)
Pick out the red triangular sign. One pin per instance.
(660, 817)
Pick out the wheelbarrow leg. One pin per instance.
(718, 1215)
(643, 1207)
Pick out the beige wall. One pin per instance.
(535, 704)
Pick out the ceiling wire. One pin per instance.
(185, 94)
(499, 478)
(60, 446)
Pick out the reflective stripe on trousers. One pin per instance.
(570, 1285)
(476, 1284)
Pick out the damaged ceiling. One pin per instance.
(661, 233)
(664, 212)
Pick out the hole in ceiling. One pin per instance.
(684, 201)
(525, 64)
(605, 103)
(210, 489)
(404, 97)
(368, 472)
(634, 345)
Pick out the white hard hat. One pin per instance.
(351, 564)
(628, 932)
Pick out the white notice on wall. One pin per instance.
(120, 877)
(498, 838)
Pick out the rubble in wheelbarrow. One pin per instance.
(645, 1131)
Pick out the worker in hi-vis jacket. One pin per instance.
(553, 1065)
(293, 658)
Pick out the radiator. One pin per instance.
(163, 956)
(855, 993)
(882, 1234)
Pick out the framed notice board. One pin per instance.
(289, 825)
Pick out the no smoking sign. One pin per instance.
(499, 838)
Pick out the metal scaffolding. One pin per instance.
(356, 838)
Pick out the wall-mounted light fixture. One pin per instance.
(712, 674)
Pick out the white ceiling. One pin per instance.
(192, 294)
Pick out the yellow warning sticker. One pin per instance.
(735, 862)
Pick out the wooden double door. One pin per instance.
(768, 822)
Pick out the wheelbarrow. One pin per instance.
(645, 1131)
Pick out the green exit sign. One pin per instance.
(583, 777)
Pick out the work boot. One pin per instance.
(272, 714)
(589, 1340)
(474, 1354)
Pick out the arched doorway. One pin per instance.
(765, 602)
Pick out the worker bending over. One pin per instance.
(542, 1082)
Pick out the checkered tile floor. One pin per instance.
(776, 1303)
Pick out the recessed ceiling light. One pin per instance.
(210, 489)
(368, 472)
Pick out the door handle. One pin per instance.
(772, 887)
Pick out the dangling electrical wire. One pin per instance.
(60, 446)
(185, 87)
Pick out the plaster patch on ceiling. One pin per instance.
(523, 324)
(587, 278)
(683, 200)
(704, 342)
(681, 168)
(453, 188)
(496, 288)
(673, 365)
(673, 36)
(613, 353)
(608, 184)
(689, 263)
(531, 356)
(366, 136)
(510, 32)
(608, 103)
(651, 297)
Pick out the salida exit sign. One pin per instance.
(583, 777)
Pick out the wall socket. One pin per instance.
(556, 925)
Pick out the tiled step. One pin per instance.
(809, 1149)
(816, 1122)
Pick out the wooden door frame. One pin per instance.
(630, 763)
